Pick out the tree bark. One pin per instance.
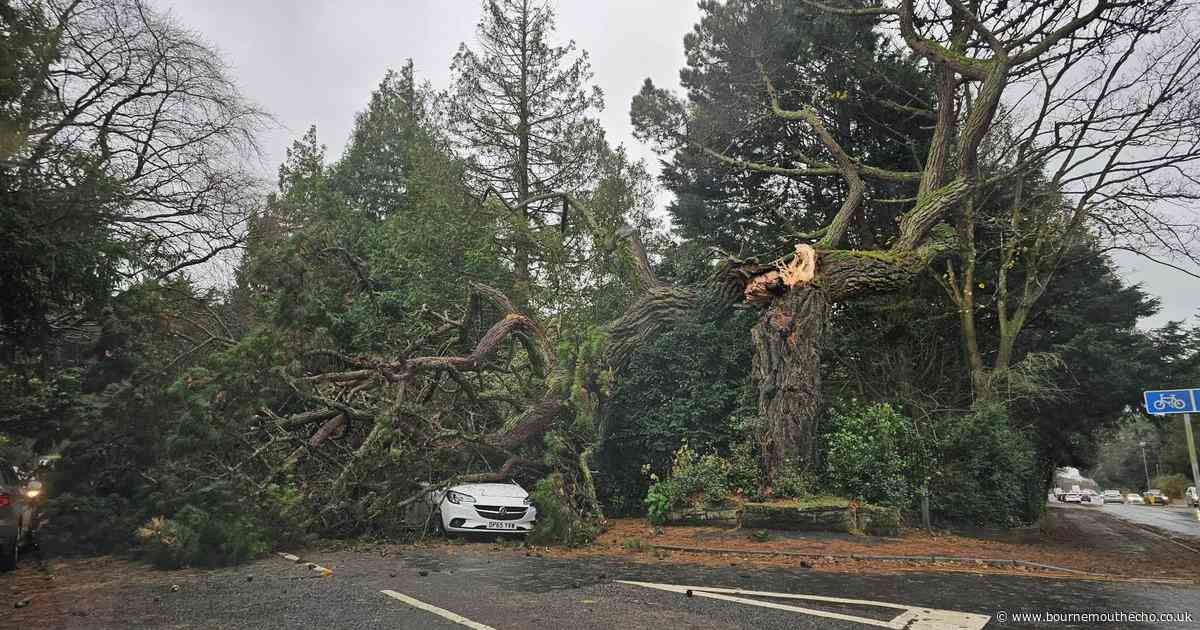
(787, 373)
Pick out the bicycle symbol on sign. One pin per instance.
(1169, 401)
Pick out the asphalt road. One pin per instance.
(1177, 519)
(505, 589)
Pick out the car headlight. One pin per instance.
(528, 501)
(458, 497)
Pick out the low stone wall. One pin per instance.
(870, 519)
(727, 517)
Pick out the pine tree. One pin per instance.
(520, 108)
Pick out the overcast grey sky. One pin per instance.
(316, 62)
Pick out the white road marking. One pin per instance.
(913, 617)
(441, 612)
(312, 565)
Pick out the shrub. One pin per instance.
(695, 481)
(988, 476)
(557, 523)
(793, 483)
(1172, 485)
(872, 453)
(659, 498)
(745, 475)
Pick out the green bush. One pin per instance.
(695, 481)
(1172, 485)
(659, 498)
(193, 537)
(557, 523)
(745, 473)
(872, 453)
(988, 475)
(793, 483)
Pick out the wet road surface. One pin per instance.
(486, 588)
(1177, 519)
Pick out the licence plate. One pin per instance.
(501, 525)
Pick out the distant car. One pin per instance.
(483, 508)
(1112, 496)
(1190, 496)
(1071, 497)
(1133, 498)
(1156, 497)
(18, 514)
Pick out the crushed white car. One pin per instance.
(483, 508)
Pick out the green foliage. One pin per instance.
(745, 471)
(873, 453)
(195, 537)
(792, 483)
(694, 481)
(810, 55)
(87, 524)
(691, 383)
(557, 523)
(760, 535)
(659, 498)
(987, 474)
(1173, 485)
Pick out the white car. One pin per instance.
(1112, 496)
(1191, 497)
(1072, 497)
(1133, 498)
(483, 507)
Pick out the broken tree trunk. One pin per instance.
(787, 344)
(798, 292)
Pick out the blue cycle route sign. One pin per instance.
(1172, 401)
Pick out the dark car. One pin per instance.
(18, 514)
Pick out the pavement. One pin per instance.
(484, 586)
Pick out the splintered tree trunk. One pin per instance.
(787, 359)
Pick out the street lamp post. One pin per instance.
(1145, 466)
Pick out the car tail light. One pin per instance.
(4, 500)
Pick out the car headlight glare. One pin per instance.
(458, 498)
